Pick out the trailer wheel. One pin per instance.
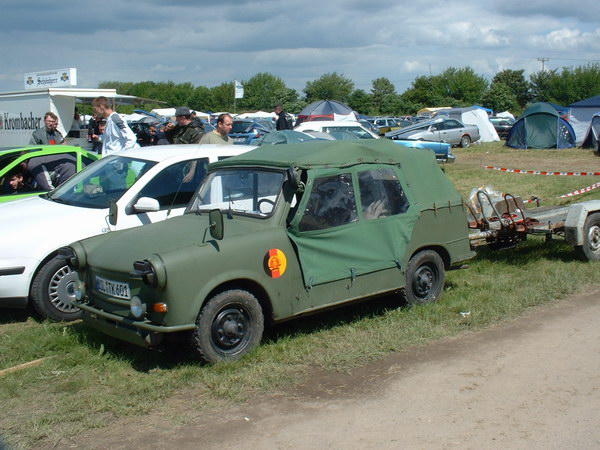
(590, 250)
(424, 278)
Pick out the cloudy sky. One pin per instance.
(211, 42)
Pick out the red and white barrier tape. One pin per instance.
(542, 172)
(582, 190)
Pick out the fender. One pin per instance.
(576, 216)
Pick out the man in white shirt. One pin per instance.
(117, 135)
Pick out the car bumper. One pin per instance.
(138, 332)
(15, 278)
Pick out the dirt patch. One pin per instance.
(532, 382)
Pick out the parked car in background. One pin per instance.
(246, 131)
(503, 125)
(12, 159)
(446, 130)
(329, 126)
(442, 150)
(369, 126)
(122, 190)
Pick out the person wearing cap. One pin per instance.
(185, 131)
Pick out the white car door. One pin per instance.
(172, 187)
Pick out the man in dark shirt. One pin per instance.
(51, 171)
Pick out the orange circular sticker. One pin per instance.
(276, 262)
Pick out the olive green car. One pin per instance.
(273, 234)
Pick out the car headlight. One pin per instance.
(74, 255)
(137, 308)
(151, 271)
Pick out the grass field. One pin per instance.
(86, 380)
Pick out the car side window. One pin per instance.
(381, 194)
(331, 203)
(175, 185)
(452, 124)
(86, 161)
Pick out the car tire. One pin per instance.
(229, 326)
(590, 250)
(52, 291)
(465, 141)
(424, 278)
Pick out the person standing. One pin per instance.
(284, 122)
(220, 135)
(197, 120)
(117, 134)
(185, 131)
(48, 135)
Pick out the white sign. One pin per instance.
(51, 79)
(239, 89)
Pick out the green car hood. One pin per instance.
(116, 251)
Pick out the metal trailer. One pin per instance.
(502, 223)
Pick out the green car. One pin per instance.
(276, 233)
(44, 157)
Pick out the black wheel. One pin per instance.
(465, 141)
(590, 250)
(52, 291)
(424, 278)
(229, 326)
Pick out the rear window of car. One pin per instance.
(241, 126)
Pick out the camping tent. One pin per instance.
(593, 133)
(541, 126)
(473, 116)
(580, 116)
(326, 110)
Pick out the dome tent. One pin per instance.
(581, 114)
(592, 135)
(541, 126)
(326, 110)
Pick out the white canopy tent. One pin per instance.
(474, 116)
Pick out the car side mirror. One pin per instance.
(113, 211)
(215, 220)
(146, 204)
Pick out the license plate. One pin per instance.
(113, 288)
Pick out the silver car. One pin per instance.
(446, 130)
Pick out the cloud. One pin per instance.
(209, 43)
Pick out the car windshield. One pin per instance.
(241, 126)
(244, 191)
(358, 131)
(102, 182)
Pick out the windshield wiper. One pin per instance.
(59, 200)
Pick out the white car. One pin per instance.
(334, 126)
(123, 190)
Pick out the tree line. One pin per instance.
(509, 90)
